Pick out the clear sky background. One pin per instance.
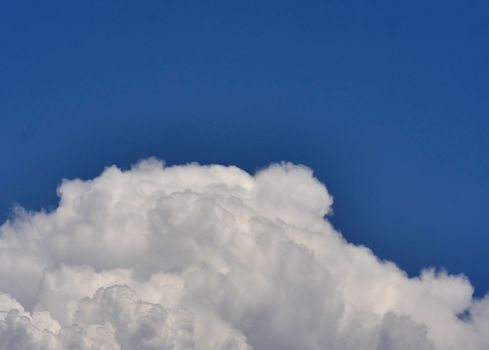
(387, 102)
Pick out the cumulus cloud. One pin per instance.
(209, 258)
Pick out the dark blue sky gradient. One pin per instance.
(387, 102)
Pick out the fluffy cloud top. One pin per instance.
(212, 258)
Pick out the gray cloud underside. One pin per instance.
(209, 258)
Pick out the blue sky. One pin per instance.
(386, 102)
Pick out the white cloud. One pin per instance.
(210, 257)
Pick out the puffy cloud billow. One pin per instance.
(213, 258)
